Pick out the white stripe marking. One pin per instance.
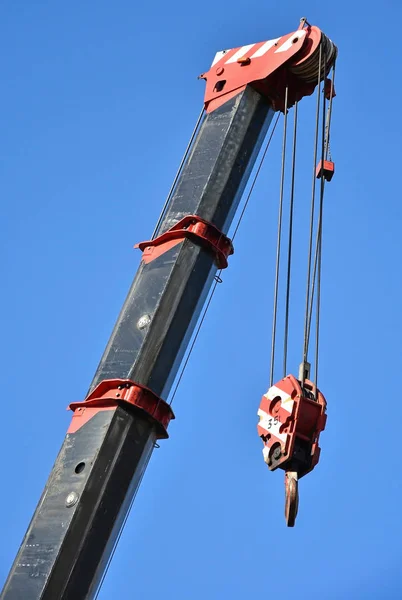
(219, 55)
(241, 52)
(268, 423)
(264, 48)
(286, 401)
(289, 43)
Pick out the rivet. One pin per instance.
(143, 321)
(71, 499)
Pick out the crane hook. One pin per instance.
(291, 497)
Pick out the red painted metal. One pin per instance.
(289, 414)
(268, 66)
(111, 393)
(194, 228)
(329, 89)
(326, 168)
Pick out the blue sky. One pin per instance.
(99, 100)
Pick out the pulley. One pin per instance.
(292, 416)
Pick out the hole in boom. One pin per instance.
(219, 85)
(80, 467)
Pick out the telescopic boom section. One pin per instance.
(76, 524)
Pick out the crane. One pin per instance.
(115, 428)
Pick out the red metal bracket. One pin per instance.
(329, 89)
(194, 228)
(110, 393)
(326, 170)
(289, 61)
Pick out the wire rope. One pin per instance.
(312, 210)
(278, 245)
(179, 170)
(327, 154)
(319, 237)
(290, 239)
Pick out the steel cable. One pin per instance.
(290, 239)
(278, 245)
(179, 170)
(328, 130)
(307, 69)
(319, 242)
(312, 212)
(327, 150)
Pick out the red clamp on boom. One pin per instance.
(194, 228)
(111, 393)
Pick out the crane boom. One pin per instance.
(113, 432)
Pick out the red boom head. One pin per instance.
(291, 60)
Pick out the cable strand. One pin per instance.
(278, 244)
(319, 240)
(312, 211)
(312, 293)
(179, 171)
(290, 240)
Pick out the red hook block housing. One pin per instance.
(291, 420)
